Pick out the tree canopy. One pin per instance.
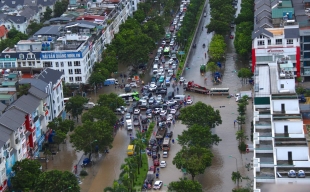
(26, 172)
(185, 185)
(193, 159)
(100, 113)
(55, 180)
(111, 101)
(217, 48)
(200, 114)
(75, 105)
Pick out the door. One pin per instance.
(285, 131)
(283, 108)
(289, 157)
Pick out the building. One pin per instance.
(279, 141)
(3, 32)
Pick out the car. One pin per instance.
(189, 102)
(179, 24)
(163, 164)
(163, 43)
(175, 22)
(301, 174)
(174, 56)
(157, 185)
(231, 36)
(119, 111)
(171, 102)
(167, 82)
(161, 91)
(152, 87)
(133, 84)
(123, 108)
(291, 174)
(153, 142)
(182, 79)
(156, 162)
(169, 117)
(163, 112)
(167, 67)
(171, 43)
(238, 99)
(128, 116)
(130, 110)
(174, 66)
(161, 69)
(169, 134)
(165, 154)
(136, 111)
(173, 111)
(152, 168)
(161, 79)
(151, 100)
(156, 110)
(153, 82)
(171, 61)
(159, 97)
(149, 116)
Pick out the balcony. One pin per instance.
(288, 141)
(266, 159)
(35, 119)
(265, 175)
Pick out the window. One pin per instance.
(261, 42)
(70, 71)
(29, 56)
(29, 64)
(13, 2)
(77, 63)
(7, 56)
(21, 56)
(47, 64)
(9, 27)
(71, 79)
(78, 78)
(289, 41)
(261, 37)
(269, 41)
(278, 41)
(57, 64)
(24, 64)
(61, 64)
(18, 26)
(69, 63)
(77, 71)
(282, 86)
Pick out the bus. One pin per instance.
(134, 96)
(219, 91)
(167, 51)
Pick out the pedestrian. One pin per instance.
(69, 117)
(172, 141)
(178, 89)
(158, 156)
(235, 121)
(173, 121)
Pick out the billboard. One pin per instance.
(63, 55)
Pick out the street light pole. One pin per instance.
(236, 162)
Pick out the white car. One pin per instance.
(149, 116)
(157, 185)
(171, 43)
(163, 112)
(165, 154)
(136, 111)
(171, 61)
(159, 97)
(133, 84)
(189, 102)
(152, 87)
(174, 66)
(175, 22)
(173, 111)
(182, 79)
(161, 69)
(163, 42)
(123, 108)
(156, 110)
(169, 117)
(171, 102)
(163, 164)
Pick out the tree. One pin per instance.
(117, 187)
(48, 14)
(197, 135)
(241, 136)
(63, 125)
(140, 145)
(185, 185)
(91, 134)
(217, 48)
(26, 172)
(236, 176)
(139, 15)
(60, 7)
(75, 106)
(300, 90)
(128, 170)
(55, 180)
(59, 137)
(212, 67)
(244, 73)
(98, 113)
(200, 114)
(23, 89)
(96, 78)
(66, 90)
(111, 101)
(33, 27)
(193, 159)
(47, 153)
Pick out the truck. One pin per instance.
(161, 132)
(191, 86)
(150, 176)
(202, 69)
(111, 81)
(217, 77)
(129, 125)
(166, 144)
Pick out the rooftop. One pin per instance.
(262, 80)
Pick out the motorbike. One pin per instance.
(203, 45)
(194, 46)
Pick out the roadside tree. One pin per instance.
(55, 180)
(139, 15)
(200, 114)
(100, 113)
(26, 172)
(117, 187)
(75, 106)
(111, 101)
(185, 185)
(139, 143)
(48, 14)
(236, 177)
(212, 67)
(193, 159)
(91, 135)
(244, 74)
(197, 135)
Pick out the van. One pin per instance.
(179, 97)
(130, 150)
(111, 81)
(170, 95)
(205, 14)
(129, 125)
(155, 68)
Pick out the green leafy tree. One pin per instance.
(241, 120)
(139, 15)
(212, 67)
(217, 48)
(128, 170)
(111, 101)
(63, 125)
(185, 185)
(75, 106)
(33, 27)
(60, 7)
(26, 172)
(244, 74)
(194, 159)
(23, 89)
(96, 77)
(55, 180)
(100, 113)
(236, 177)
(241, 136)
(46, 153)
(140, 144)
(200, 114)
(66, 90)
(197, 135)
(300, 90)
(91, 134)
(117, 187)
(59, 137)
(48, 14)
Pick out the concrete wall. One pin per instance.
(293, 126)
(298, 153)
(290, 105)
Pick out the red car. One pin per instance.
(156, 162)
(152, 168)
(231, 37)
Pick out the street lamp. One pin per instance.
(66, 189)
(236, 162)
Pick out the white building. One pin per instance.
(278, 140)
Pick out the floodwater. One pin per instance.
(216, 178)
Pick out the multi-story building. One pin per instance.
(279, 139)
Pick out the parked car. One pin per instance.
(169, 134)
(165, 154)
(128, 116)
(163, 164)
(157, 185)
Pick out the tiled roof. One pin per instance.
(260, 31)
(5, 135)
(16, 19)
(27, 103)
(37, 93)
(50, 75)
(38, 83)
(291, 33)
(13, 119)
(3, 31)
(2, 107)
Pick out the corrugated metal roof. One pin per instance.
(291, 33)
(27, 103)
(38, 83)
(50, 75)
(12, 119)
(278, 12)
(2, 106)
(37, 93)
